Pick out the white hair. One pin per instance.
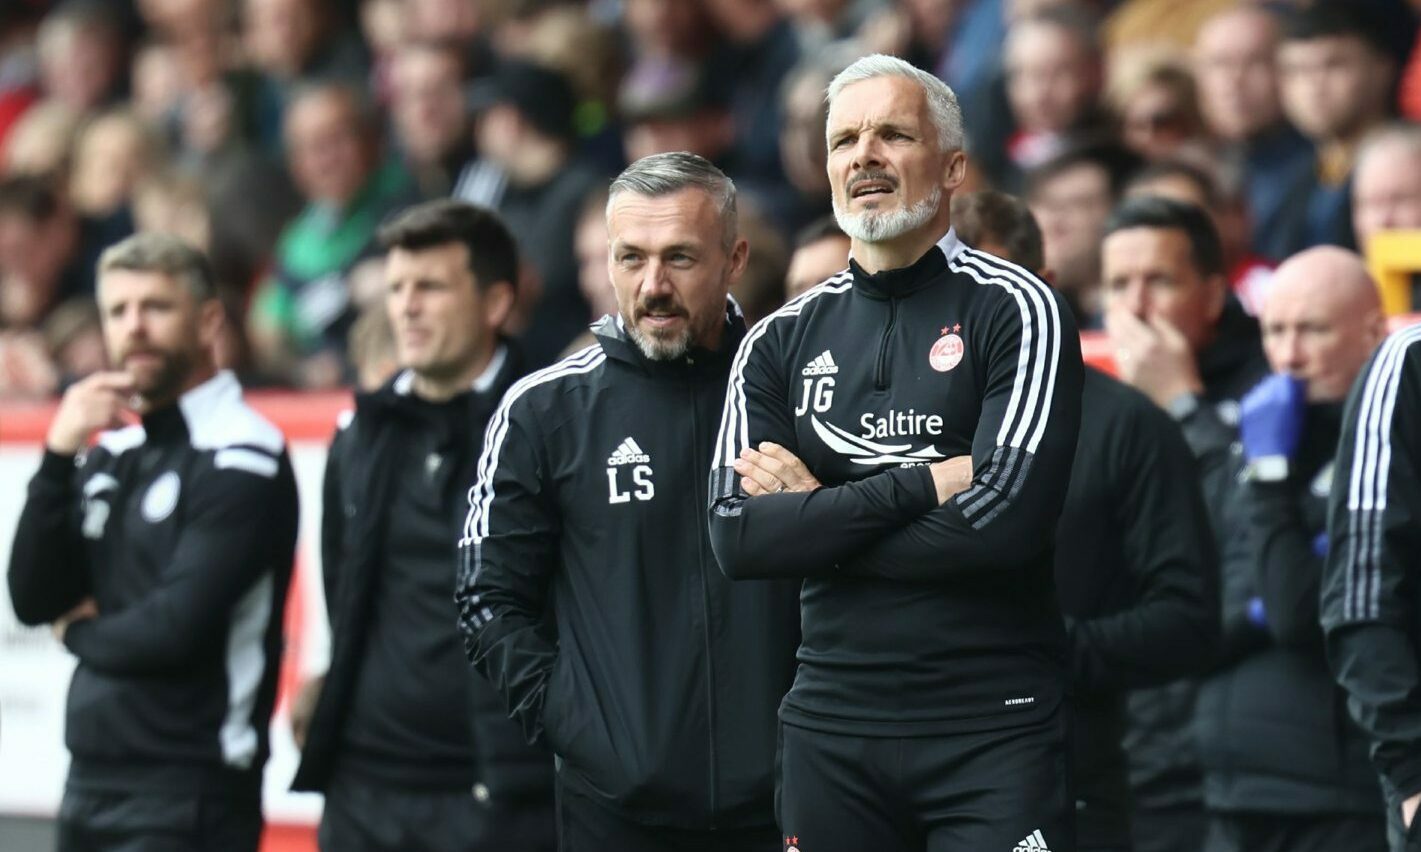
(1404, 135)
(942, 103)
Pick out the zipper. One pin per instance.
(703, 500)
(880, 372)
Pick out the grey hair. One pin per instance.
(1401, 133)
(942, 103)
(668, 173)
(163, 253)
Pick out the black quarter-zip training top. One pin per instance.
(918, 619)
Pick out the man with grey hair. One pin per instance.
(900, 439)
(161, 556)
(1386, 182)
(588, 593)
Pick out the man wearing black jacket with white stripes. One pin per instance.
(589, 595)
(1371, 598)
(162, 556)
(410, 747)
(901, 438)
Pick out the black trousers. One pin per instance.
(1246, 832)
(1175, 829)
(360, 816)
(585, 826)
(975, 792)
(157, 822)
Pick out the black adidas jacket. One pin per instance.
(1137, 572)
(918, 618)
(1272, 725)
(183, 530)
(590, 598)
(1371, 586)
(400, 705)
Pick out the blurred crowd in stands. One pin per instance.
(277, 134)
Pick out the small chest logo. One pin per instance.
(948, 350)
(792, 843)
(818, 391)
(629, 454)
(161, 497)
(1322, 483)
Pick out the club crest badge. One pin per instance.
(948, 350)
(161, 497)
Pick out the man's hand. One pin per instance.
(951, 476)
(97, 402)
(1408, 810)
(86, 609)
(303, 707)
(1154, 357)
(773, 469)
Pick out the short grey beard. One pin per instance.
(871, 226)
(659, 350)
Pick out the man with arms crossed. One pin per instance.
(929, 710)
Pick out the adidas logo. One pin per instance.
(822, 365)
(628, 452)
(1033, 842)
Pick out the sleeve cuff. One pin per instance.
(922, 492)
(57, 465)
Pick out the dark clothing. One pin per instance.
(1164, 763)
(1169, 829)
(585, 826)
(589, 595)
(167, 822)
(1370, 599)
(544, 219)
(1007, 789)
(361, 817)
(1270, 165)
(1137, 578)
(400, 707)
(182, 530)
(1271, 832)
(1273, 732)
(919, 619)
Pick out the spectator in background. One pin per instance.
(73, 333)
(672, 107)
(1184, 181)
(1053, 79)
(527, 174)
(1386, 183)
(594, 280)
(660, 30)
(40, 252)
(161, 558)
(372, 356)
(760, 289)
(1071, 195)
(300, 314)
(1283, 767)
(113, 154)
(821, 250)
(410, 747)
(1194, 352)
(1157, 108)
(1138, 582)
(432, 129)
(1337, 79)
(41, 142)
(802, 116)
(1235, 64)
(82, 55)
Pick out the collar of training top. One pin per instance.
(611, 333)
(896, 283)
(171, 421)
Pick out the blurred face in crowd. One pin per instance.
(889, 174)
(329, 153)
(706, 132)
(1151, 273)
(456, 20)
(664, 28)
(281, 35)
(824, 12)
(33, 253)
(1333, 87)
(802, 135)
(671, 269)
(814, 262)
(1386, 189)
(429, 103)
(156, 330)
(1071, 207)
(1234, 65)
(589, 241)
(1321, 320)
(444, 322)
(79, 65)
(1051, 77)
(111, 157)
(1156, 121)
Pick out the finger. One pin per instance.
(787, 459)
(766, 480)
(1168, 332)
(770, 463)
(115, 380)
(751, 487)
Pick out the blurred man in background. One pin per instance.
(432, 131)
(821, 251)
(162, 558)
(1386, 184)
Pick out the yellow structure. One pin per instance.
(1394, 259)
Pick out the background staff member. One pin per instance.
(411, 748)
(162, 556)
(658, 691)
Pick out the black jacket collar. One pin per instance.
(611, 334)
(395, 400)
(897, 283)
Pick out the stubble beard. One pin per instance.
(874, 226)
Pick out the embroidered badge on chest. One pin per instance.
(948, 350)
(161, 497)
